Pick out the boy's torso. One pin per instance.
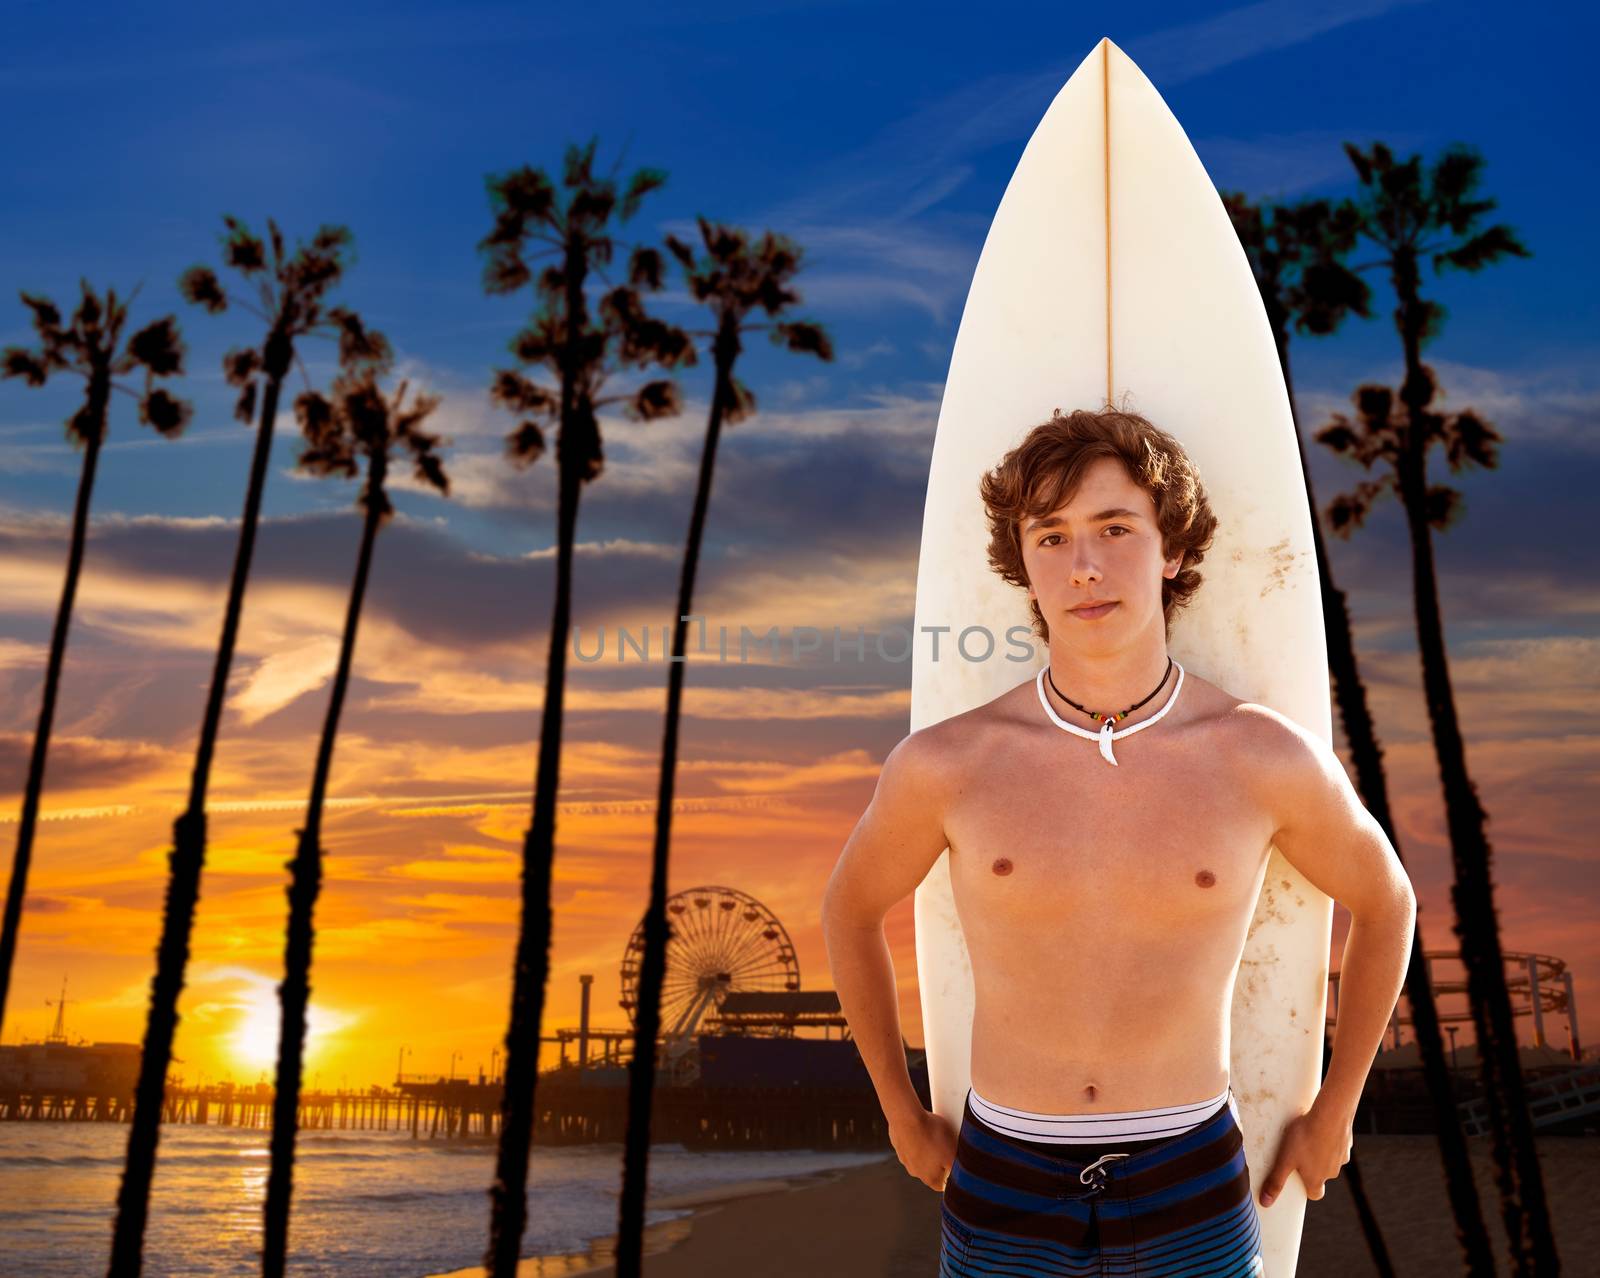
(1104, 908)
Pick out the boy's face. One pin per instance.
(1102, 546)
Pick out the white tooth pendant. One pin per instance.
(1107, 725)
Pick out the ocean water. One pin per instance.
(365, 1203)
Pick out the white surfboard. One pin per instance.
(1111, 268)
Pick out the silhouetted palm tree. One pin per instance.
(1410, 218)
(1295, 252)
(580, 354)
(287, 293)
(734, 280)
(357, 420)
(86, 347)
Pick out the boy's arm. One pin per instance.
(896, 841)
(1325, 832)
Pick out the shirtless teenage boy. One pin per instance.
(1105, 908)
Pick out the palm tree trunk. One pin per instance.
(305, 881)
(47, 710)
(1472, 1233)
(1531, 1244)
(653, 969)
(508, 1195)
(183, 881)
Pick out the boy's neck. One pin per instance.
(1109, 682)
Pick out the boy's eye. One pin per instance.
(1045, 540)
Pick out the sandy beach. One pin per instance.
(878, 1222)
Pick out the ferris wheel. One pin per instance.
(719, 940)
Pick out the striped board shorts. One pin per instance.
(1178, 1205)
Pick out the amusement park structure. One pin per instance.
(1537, 983)
(732, 970)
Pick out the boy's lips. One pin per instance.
(1091, 611)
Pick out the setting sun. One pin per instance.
(252, 1044)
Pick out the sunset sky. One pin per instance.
(880, 137)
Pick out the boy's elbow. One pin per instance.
(1401, 906)
(1409, 900)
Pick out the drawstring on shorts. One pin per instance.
(1094, 1175)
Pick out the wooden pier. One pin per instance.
(570, 1111)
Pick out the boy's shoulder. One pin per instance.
(953, 738)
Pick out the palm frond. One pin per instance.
(1486, 247)
(1327, 291)
(517, 198)
(657, 399)
(590, 207)
(165, 412)
(1456, 172)
(540, 342)
(244, 408)
(804, 337)
(1338, 436)
(1375, 404)
(429, 470)
(1402, 183)
(426, 464)
(17, 362)
(200, 286)
(88, 315)
(1471, 441)
(640, 185)
(241, 249)
(681, 251)
(645, 267)
(240, 365)
(46, 318)
(359, 346)
(741, 404)
(1443, 506)
(525, 445)
(1348, 511)
(159, 347)
(578, 164)
(1363, 164)
(512, 390)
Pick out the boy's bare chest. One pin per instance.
(1040, 836)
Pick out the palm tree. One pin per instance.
(580, 354)
(88, 348)
(733, 280)
(1295, 252)
(1408, 217)
(290, 292)
(358, 419)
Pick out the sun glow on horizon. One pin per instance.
(252, 1044)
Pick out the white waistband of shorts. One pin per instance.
(1071, 1129)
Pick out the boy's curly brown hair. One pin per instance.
(1042, 472)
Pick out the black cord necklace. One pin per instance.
(1095, 714)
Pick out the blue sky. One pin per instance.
(881, 138)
